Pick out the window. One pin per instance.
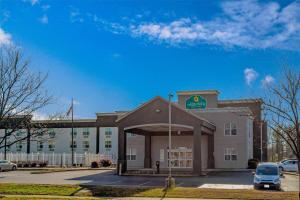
(74, 144)
(180, 157)
(74, 132)
(108, 132)
(131, 135)
(230, 129)
(86, 144)
(86, 133)
(52, 134)
(108, 144)
(40, 146)
(230, 154)
(19, 133)
(51, 146)
(19, 146)
(131, 154)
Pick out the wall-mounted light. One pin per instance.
(179, 132)
(157, 110)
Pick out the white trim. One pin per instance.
(197, 92)
(158, 124)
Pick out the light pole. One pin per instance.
(170, 182)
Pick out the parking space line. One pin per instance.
(145, 183)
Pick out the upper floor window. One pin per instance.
(230, 129)
(74, 132)
(230, 154)
(52, 134)
(85, 132)
(108, 132)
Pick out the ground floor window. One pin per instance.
(131, 154)
(230, 154)
(181, 158)
(108, 144)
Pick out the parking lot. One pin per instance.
(225, 180)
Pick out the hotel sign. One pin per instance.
(195, 102)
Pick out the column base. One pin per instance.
(170, 183)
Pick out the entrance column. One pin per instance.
(197, 167)
(210, 151)
(122, 150)
(147, 161)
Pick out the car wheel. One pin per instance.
(281, 169)
(256, 187)
(14, 168)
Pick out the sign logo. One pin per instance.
(195, 102)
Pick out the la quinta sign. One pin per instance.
(195, 102)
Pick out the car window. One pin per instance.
(267, 170)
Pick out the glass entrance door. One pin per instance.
(181, 157)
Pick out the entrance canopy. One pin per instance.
(152, 119)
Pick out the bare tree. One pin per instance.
(21, 95)
(282, 107)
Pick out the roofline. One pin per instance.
(195, 92)
(111, 113)
(63, 120)
(226, 109)
(173, 104)
(257, 100)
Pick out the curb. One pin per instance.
(291, 173)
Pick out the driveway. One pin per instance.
(226, 180)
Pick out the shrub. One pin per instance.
(94, 164)
(105, 163)
(43, 164)
(26, 165)
(33, 164)
(252, 163)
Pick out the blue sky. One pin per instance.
(114, 55)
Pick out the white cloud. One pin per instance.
(247, 24)
(44, 19)
(45, 7)
(32, 2)
(250, 75)
(5, 38)
(267, 81)
(75, 15)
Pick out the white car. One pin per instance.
(5, 165)
(267, 175)
(289, 165)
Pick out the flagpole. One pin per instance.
(72, 133)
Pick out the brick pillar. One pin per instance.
(122, 150)
(147, 161)
(210, 151)
(197, 164)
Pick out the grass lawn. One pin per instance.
(180, 192)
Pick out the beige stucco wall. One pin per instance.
(240, 142)
(137, 142)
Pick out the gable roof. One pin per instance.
(206, 122)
